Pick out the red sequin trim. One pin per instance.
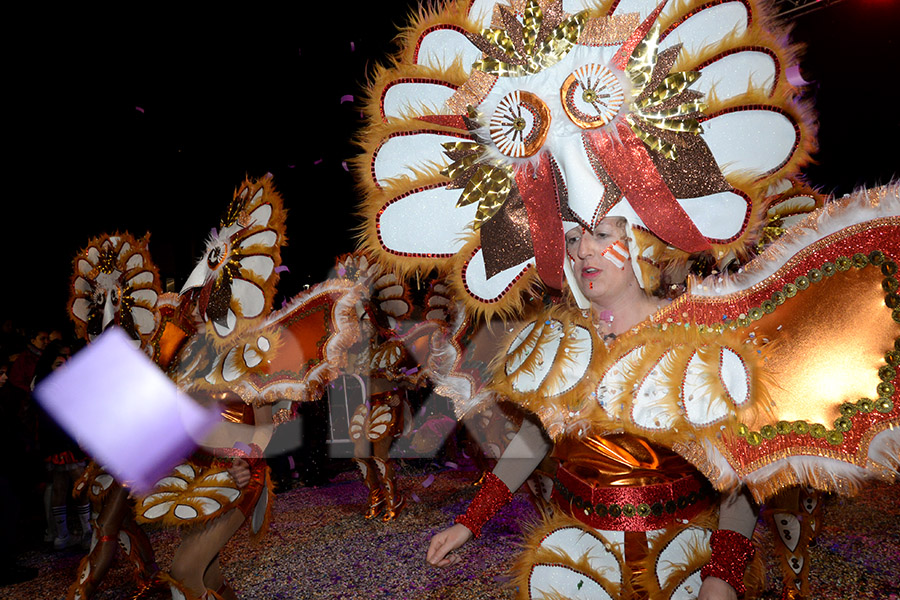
(455, 28)
(506, 290)
(731, 553)
(492, 496)
(760, 49)
(768, 108)
(395, 199)
(631, 508)
(703, 7)
(403, 134)
(409, 80)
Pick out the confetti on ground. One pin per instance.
(320, 547)
(347, 98)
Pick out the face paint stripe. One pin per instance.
(616, 253)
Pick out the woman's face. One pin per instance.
(600, 260)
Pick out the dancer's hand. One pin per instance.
(240, 472)
(445, 542)
(714, 588)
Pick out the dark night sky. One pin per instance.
(146, 120)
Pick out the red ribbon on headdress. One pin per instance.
(629, 165)
(538, 189)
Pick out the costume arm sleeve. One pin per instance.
(524, 453)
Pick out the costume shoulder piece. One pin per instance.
(115, 283)
(234, 282)
(820, 307)
(670, 384)
(314, 330)
(398, 331)
(499, 122)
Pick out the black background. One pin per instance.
(145, 119)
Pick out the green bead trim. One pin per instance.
(843, 424)
(892, 357)
(887, 373)
(848, 410)
(835, 438)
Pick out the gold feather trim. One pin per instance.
(534, 534)
(250, 196)
(124, 261)
(521, 291)
(631, 583)
(663, 351)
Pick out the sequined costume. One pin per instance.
(115, 283)
(220, 340)
(502, 126)
(201, 489)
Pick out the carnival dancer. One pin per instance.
(246, 358)
(393, 356)
(507, 143)
(115, 283)
(621, 470)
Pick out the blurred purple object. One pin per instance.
(795, 76)
(124, 411)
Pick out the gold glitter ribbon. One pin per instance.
(557, 45)
(489, 186)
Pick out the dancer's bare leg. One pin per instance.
(94, 566)
(394, 500)
(215, 580)
(198, 551)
